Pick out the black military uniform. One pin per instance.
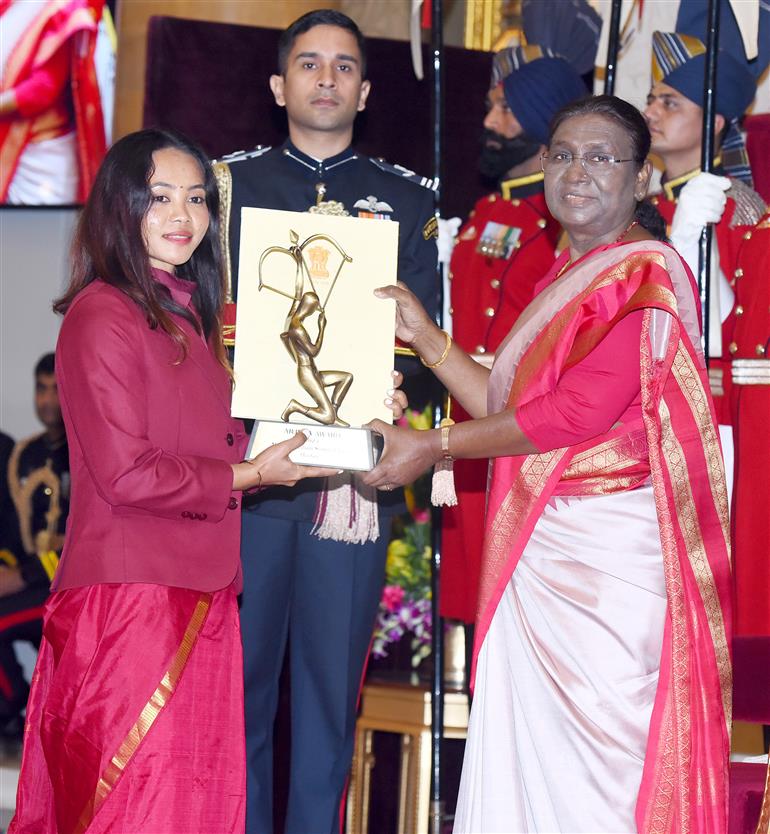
(38, 481)
(8, 523)
(321, 594)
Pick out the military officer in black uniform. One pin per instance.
(38, 481)
(320, 594)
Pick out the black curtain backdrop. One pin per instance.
(210, 80)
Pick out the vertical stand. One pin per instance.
(707, 163)
(437, 638)
(613, 46)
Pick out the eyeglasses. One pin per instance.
(593, 163)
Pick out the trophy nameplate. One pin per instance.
(354, 449)
(314, 346)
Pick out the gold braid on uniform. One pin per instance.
(224, 180)
(21, 494)
(749, 206)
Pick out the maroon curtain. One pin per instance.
(209, 80)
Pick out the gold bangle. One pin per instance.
(442, 358)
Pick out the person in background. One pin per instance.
(52, 136)
(602, 696)
(750, 406)
(691, 198)
(135, 718)
(505, 247)
(314, 557)
(38, 480)
(7, 512)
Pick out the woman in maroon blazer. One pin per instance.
(135, 722)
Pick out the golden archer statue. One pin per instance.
(301, 347)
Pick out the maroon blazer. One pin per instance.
(151, 441)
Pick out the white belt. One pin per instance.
(751, 371)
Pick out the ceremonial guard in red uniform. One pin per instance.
(750, 406)
(507, 244)
(691, 198)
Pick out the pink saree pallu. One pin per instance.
(602, 662)
(135, 719)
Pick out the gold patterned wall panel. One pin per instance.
(492, 24)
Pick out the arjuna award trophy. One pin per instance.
(314, 346)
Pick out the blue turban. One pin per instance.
(680, 61)
(536, 90)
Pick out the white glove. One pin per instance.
(447, 231)
(701, 201)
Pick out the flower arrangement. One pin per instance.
(406, 599)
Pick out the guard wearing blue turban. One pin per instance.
(536, 89)
(680, 61)
(691, 198)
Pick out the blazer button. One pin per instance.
(230, 439)
(232, 504)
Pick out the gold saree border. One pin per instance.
(675, 765)
(671, 767)
(528, 483)
(763, 825)
(17, 60)
(686, 376)
(10, 151)
(147, 717)
(20, 129)
(603, 469)
(687, 518)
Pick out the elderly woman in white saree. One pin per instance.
(602, 667)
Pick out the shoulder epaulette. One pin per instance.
(749, 206)
(405, 174)
(240, 156)
(224, 179)
(21, 493)
(20, 447)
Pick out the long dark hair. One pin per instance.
(109, 244)
(633, 123)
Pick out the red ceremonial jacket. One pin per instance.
(151, 441)
(743, 209)
(506, 246)
(750, 408)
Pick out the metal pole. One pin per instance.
(707, 161)
(612, 48)
(437, 637)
